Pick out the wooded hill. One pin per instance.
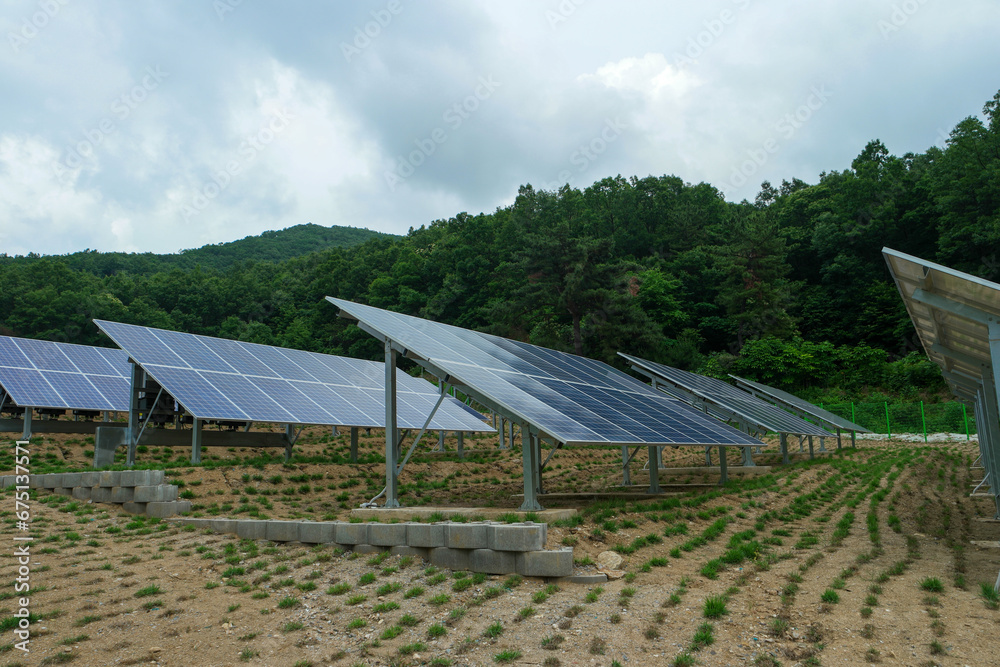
(790, 289)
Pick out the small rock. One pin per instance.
(608, 560)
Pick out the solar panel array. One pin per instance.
(219, 379)
(750, 408)
(805, 406)
(575, 400)
(44, 374)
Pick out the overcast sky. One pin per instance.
(157, 126)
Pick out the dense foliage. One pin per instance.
(790, 289)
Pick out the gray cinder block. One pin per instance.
(411, 551)
(545, 563)
(100, 494)
(427, 535)
(163, 510)
(63, 491)
(494, 562)
(90, 479)
(81, 493)
(70, 480)
(251, 529)
(110, 478)
(453, 559)
(369, 549)
(222, 525)
(123, 494)
(387, 534)
(351, 533)
(160, 493)
(282, 531)
(317, 532)
(517, 537)
(134, 508)
(51, 481)
(468, 535)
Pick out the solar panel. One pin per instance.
(749, 408)
(44, 374)
(799, 404)
(572, 399)
(219, 379)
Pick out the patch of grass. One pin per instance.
(932, 585)
(703, 636)
(147, 591)
(289, 602)
(392, 632)
(715, 607)
(830, 596)
(509, 655)
(339, 588)
(493, 631)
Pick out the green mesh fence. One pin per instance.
(918, 417)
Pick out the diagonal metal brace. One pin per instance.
(416, 441)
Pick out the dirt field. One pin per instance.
(867, 556)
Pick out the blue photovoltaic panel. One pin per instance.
(574, 400)
(793, 401)
(43, 374)
(219, 379)
(764, 415)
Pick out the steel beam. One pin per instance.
(391, 431)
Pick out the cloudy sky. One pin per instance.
(157, 126)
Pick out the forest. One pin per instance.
(790, 289)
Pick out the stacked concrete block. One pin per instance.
(545, 563)
(386, 534)
(319, 532)
(252, 529)
(352, 533)
(282, 531)
(138, 491)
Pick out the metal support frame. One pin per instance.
(133, 411)
(708, 456)
(822, 444)
(290, 438)
(748, 457)
(196, 428)
(626, 460)
(461, 444)
(838, 438)
(498, 424)
(391, 431)
(723, 466)
(529, 456)
(812, 455)
(654, 469)
(26, 432)
(354, 444)
(443, 390)
(783, 444)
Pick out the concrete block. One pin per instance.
(468, 535)
(62, 491)
(155, 477)
(141, 477)
(127, 478)
(100, 494)
(222, 525)
(36, 481)
(110, 478)
(51, 481)
(134, 508)
(282, 531)
(587, 579)
(107, 439)
(419, 552)
(160, 493)
(453, 559)
(69, 480)
(317, 532)
(387, 534)
(427, 535)
(6, 481)
(251, 529)
(197, 523)
(351, 533)
(517, 537)
(81, 493)
(90, 479)
(122, 494)
(369, 549)
(494, 562)
(545, 563)
(163, 510)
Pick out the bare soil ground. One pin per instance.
(866, 556)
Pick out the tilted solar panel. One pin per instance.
(215, 378)
(796, 402)
(45, 374)
(575, 400)
(765, 415)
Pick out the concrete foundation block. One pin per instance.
(251, 529)
(468, 535)
(387, 534)
(368, 549)
(81, 493)
(197, 523)
(419, 552)
(160, 493)
(134, 508)
(426, 535)
(100, 494)
(453, 559)
(317, 532)
(107, 439)
(110, 478)
(282, 531)
(172, 508)
(123, 494)
(517, 537)
(222, 525)
(6, 481)
(351, 533)
(36, 481)
(127, 478)
(90, 479)
(51, 481)
(545, 563)
(69, 480)
(587, 579)
(63, 491)
(493, 562)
